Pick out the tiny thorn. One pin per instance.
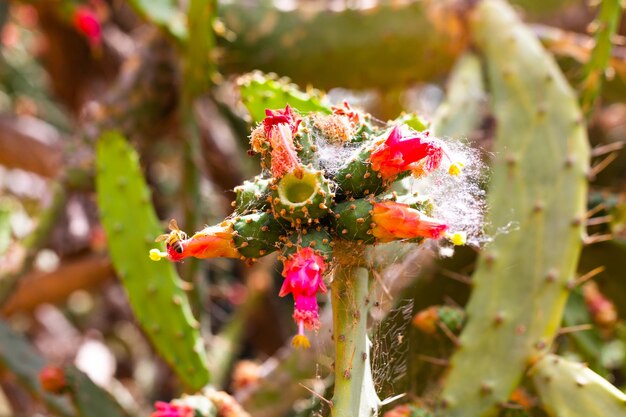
(574, 329)
(594, 221)
(456, 276)
(330, 403)
(444, 328)
(604, 149)
(590, 240)
(433, 360)
(595, 210)
(586, 277)
(600, 166)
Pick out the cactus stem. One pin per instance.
(354, 391)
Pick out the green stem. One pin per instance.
(354, 389)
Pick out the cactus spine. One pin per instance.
(154, 291)
(539, 176)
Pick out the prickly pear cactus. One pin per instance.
(325, 184)
(19, 357)
(266, 91)
(571, 389)
(156, 297)
(537, 207)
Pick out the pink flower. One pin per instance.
(275, 117)
(397, 154)
(86, 21)
(303, 273)
(164, 409)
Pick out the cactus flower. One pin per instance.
(345, 110)
(394, 221)
(164, 409)
(52, 379)
(303, 273)
(274, 118)
(284, 156)
(86, 22)
(400, 153)
(211, 242)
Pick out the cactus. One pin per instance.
(266, 91)
(21, 359)
(164, 13)
(154, 290)
(440, 319)
(89, 399)
(252, 195)
(538, 189)
(570, 389)
(354, 393)
(303, 195)
(256, 235)
(460, 113)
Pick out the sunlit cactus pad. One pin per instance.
(339, 177)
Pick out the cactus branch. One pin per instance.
(354, 391)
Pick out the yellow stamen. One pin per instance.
(455, 169)
(157, 255)
(457, 238)
(300, 341)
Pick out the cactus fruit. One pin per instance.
(154, 291)
(302, 196)
(432, 319)
(256, 235)
(252, 195)
(570, 389)
(538, 188)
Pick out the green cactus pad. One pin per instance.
(154, 291)
(256, 234)
(537, 194)
(353, 219)
(302, 196)
(570, 389)
(266, 91)
(252, 195)
(89, 399)
(19, 357)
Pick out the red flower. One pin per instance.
(274, 118)
(86, 21)
(399, 221)
(397, 154)
(303, 278)
(52, 379)
(164, 409)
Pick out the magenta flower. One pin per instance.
(275, 117)
(164, 409)
(303, 273)
(87, 22)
